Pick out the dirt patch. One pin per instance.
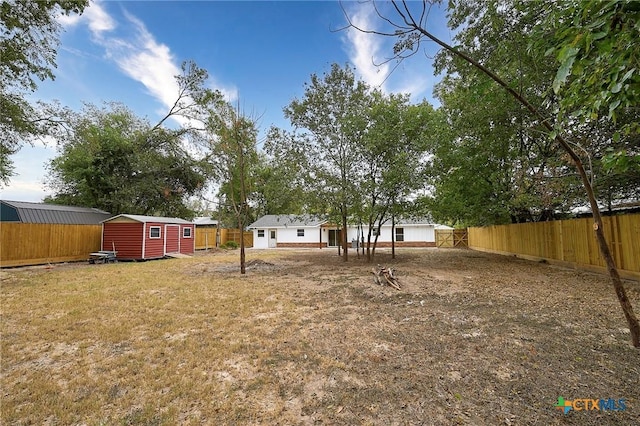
(304, 338)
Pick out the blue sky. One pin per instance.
(259, 53)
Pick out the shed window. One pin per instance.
(186, 232)
(399, 234)
(154, 232)
(260, 233)
(300, 232)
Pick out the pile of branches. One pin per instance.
(385, 276)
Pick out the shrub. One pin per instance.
(232, 245)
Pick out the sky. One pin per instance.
(258, 53)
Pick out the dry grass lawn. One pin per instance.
(304, 339)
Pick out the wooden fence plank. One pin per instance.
(35, 243)
(206, 237)
(569, 242)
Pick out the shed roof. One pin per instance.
(146, 219)
(287, 220)
(27, 212)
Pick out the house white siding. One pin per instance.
(261, 238)
(417, 235)
(292, 231)
(291, 235)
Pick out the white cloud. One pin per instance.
(364, 50)
(139, 55)
(147, 61)
(370, 55)
(97, 19)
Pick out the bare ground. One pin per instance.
(471, 338)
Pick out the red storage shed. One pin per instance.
(147, 237)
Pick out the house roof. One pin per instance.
(414, 221)
(287, 220)
(27, 212)
(146, 219)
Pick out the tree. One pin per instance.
(280, 185)
(329, 121)
(595, 45)
(410, 29)
(233, 160)
(117, 162)
(393, 159)
(495, 162)
(27, 53)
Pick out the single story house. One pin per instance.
(139, 237)
(286, 230)
(272, 231)
(407, 233)
(27, 212)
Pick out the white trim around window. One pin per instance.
(155, 232)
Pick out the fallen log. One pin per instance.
(385, 276)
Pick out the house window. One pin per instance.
(186, 232)
(399, 234)
(300, 232)
(376, 231)
(154, 232)
(260, 233)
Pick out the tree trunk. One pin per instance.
(243, 269)
(393, 238)
(345, 252)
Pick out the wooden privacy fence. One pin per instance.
(566, 242)
(206, 237)
(35, 243)
(234, 235)
(451, 238)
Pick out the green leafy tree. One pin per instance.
(392, 156)
(115, 161)
(28, 42)
(494, 162)
(407, 22)
(595, 44)
(233, 161)
(329, 122)
(281, 185)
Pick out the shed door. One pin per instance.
(273, 242)
(172, 239)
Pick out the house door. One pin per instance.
(172, 239)
(334, 237)
(273, 242)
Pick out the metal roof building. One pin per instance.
(26, 212)
(205, 221)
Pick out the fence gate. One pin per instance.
(452, 238)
